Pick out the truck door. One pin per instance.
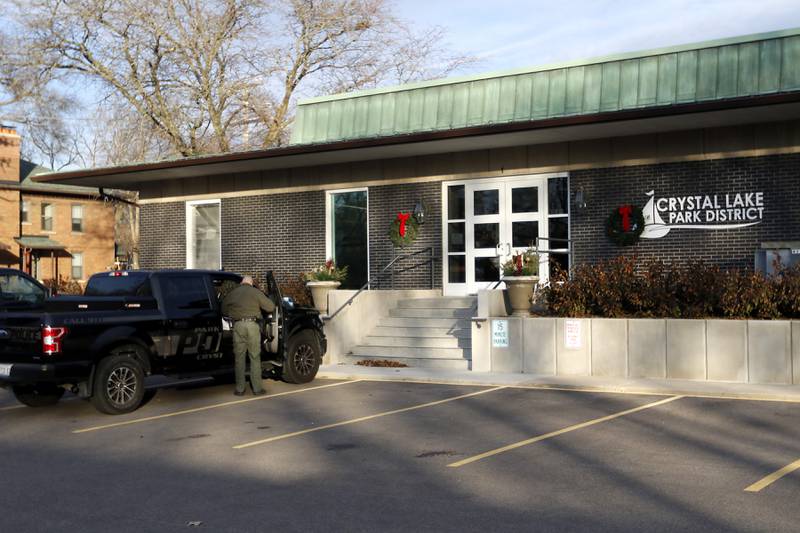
(223, 283)
(193, 321)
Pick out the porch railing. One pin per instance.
(390, 270)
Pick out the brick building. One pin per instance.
(703, 138)
(50, 230)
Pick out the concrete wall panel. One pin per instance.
(796, 352)
(539, 339)
(769, 347)
(686, 349)
(726, 350)
(609, 347)
(574, 361)
(481, 346)
(647, 348)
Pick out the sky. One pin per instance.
(510, 34)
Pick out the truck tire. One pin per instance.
(303, 356)
(40, 395)
(118, 382)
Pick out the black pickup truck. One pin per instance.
(132, 324)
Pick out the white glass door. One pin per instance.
(525, 218)
(486, 233)
(488, 221)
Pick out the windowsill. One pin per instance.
(77, 233)
(27, 223)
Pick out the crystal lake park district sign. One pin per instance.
(702, 212)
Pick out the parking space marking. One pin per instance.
(773, 477)
(214, 406)
(11, 407)
(556, 433)
(564, 388)
(364, 418)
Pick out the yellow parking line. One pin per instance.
(214, 406)
(582, 425)
(364, 418)
(773, 477)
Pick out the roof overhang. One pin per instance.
(735, 111)
(37, 242)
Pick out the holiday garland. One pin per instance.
(625, 224)
(404, 230)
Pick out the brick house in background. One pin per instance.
(50, 230)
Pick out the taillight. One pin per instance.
(51, 339)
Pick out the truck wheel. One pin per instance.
(40, 395)
(303, 356)
(118, 383)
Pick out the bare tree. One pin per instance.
(222, 75)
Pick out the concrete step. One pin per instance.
(397, 331)
(404, 351)
(437, 303)
(404, 322)
(419, 342)
(415, 362)
(400, 312)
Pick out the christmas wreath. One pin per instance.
(625, 224)
(404, 230)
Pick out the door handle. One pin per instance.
(508, 248)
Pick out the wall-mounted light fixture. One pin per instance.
(580, 200)
(419, 212)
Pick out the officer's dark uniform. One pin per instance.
(244, 305)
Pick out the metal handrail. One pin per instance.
(383, 271)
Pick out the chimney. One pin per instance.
(9, 153)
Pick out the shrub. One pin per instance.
(297, 290)
(624, 288)
(64, 286)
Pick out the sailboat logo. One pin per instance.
(655, 227)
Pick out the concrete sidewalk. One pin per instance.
(789, 393)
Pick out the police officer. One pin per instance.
(244, 305)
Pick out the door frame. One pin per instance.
(468, 220)
(328, 229)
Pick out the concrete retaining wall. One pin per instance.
(742, 351)
(355, 321)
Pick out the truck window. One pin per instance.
(16, 290)
(119, 284)
(224, 283)
(185, 292)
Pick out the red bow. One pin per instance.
(403, 218)
(626, 211)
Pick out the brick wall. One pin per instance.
(778, 176)
(384, 204)
(162, 235)
(284, 233)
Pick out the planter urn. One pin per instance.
(319, 293)
(520, 293)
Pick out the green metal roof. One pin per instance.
(28, 169)
(39, 242)
(752, 65)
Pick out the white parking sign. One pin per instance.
(500, 333)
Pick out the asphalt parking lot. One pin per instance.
(383, 456)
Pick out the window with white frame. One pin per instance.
(77, 265)
(24, 212)
(77, 218)
(47, 217)
(203, 235)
